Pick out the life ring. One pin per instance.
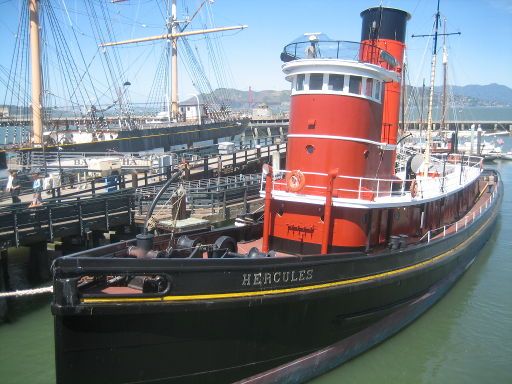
(414, 188)
(295, 180)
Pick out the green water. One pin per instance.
(465, 338)
(26, 346)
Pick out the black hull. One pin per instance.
(326, 359)
(354, 299)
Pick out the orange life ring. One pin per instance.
(295, 180)
(414, 188)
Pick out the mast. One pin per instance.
(445, 63)
(432, 80)
(174, 62)
(173, 34)
(37, 81)
(431, 96)
(422, 108)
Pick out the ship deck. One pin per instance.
(481, 203)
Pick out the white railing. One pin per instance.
(457, 171)
(462, 223)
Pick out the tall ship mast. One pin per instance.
(354, 242)
(37, 79)
(173, 34)
(96, 129)
(431, 96)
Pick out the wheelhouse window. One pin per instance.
(376, 94)
(355, 84)
(316, 81)
(369, 88)
(299, 86)
(336, 82)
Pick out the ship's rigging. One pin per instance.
(417, 98)
(84, 82)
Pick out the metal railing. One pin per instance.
(338, 49)
(56, 160)
(459, 224)
(456, 171)
(212, 194)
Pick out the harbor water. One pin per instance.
(465, 338)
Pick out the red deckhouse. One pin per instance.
(340, 185)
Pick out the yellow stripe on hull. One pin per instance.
(307, 288)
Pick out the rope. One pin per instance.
(27, 292)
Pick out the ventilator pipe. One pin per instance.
(268, 198)
(173, 178)
(328, 211)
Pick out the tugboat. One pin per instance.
(356, 241)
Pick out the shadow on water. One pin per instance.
(26, 335)
(20, 278)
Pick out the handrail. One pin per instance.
(97, 185)
(430, 185)
(204, 193)
(431, 233)
(338, 49)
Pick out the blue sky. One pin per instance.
(481, 55)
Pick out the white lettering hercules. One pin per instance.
(279, 277)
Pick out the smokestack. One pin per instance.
(385, 28)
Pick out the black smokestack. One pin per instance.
(384, 23)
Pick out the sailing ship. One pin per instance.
(86, 117)
(356, 240)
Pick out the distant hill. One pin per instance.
(494, 93)
(241, 99)
(464, 96)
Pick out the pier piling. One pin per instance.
(39, 263)
(4, 283)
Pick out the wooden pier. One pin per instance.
(86, 214)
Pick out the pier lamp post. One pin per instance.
(198, 108)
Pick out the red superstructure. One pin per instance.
(384, 28)
(339, 191)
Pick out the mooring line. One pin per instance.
(27, 292)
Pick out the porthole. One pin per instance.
(310, 149)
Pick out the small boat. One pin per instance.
(356, 240)
(505, 156)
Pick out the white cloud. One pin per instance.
(503, 5)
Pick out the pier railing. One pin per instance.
(211, 194)
(86, 182)
(88, 186)
(64, 217)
